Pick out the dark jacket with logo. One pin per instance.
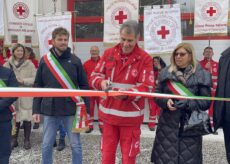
(169, 147)
(10, 80)
(59, 106)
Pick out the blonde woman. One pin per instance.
(169, 146)
(25, 74)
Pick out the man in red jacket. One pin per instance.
(2, 59)
(212, 66)
(123, 67)
(154, 109)
(89, 66)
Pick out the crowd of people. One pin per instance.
(124, 67)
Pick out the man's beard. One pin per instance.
(60, 50)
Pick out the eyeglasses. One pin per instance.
(181, 54)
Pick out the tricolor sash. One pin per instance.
(178, 88)
(80, 123)
(13, 121)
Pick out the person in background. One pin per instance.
(8, 79)
(8, 53)
(212, 66)
(2, 58)
(89, 66)
(169, 146)
(123, 67)
(31, 56)
(57, 110)
(25, 73)
(154, 110)
(221, 114)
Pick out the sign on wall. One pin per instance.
(46, 24)
(115, 14)
(211, 17)
(20, 19)
(162, 28)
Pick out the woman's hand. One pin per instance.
(20, 80)
(170, 105)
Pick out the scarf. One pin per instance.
(183, 75)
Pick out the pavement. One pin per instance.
(213, 149)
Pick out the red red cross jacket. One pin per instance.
(136, 74)
(89, 66)
(213, 70)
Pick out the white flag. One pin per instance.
(211, 17)
(20, 18)
(162, 28)
(45, 26)
(1, 18)
(115, 13)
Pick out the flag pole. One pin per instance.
(55, 7)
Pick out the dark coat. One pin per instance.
(221, 108)
(10, 80)
(169, 147)
(59, 106)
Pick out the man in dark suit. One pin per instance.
(222, 108)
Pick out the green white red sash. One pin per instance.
(178, 88)
(3, 84)
(80, 123)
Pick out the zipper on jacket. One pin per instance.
(102, 66)
(127, 74)
(143, 77)
(112, 74)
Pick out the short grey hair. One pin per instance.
(131, 27)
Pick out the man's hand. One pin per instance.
(36, 118)
(105, 85)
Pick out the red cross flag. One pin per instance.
(211, 17)
(115, 14)
(20, 18)
(162, 28)
(46, 24)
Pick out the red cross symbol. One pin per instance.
(163, 32)
(20, 10)
(120, 17)
(211, 11)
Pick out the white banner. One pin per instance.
(45, 26)
(115, 13)
(1, 18)
(211, 17)
(162, 28)
(20, 18)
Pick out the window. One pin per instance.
(89, 8)
(28, 39)
(14, 39)
(89, 30)
(151, 2)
